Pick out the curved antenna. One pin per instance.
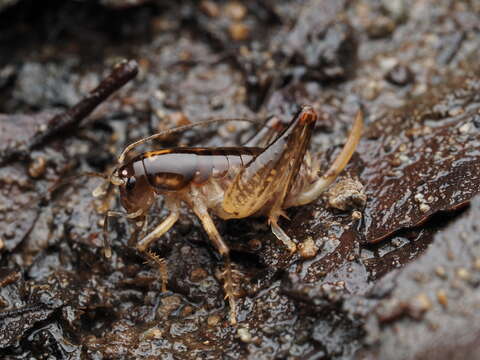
(124, 153)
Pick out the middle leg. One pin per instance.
(228, 282)
(144, 244)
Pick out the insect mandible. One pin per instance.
(227, 183)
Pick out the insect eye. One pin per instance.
(130, 183)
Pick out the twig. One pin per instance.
(71, 118)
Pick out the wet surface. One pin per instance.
(390, 277)
(427, 163)
(429, 309)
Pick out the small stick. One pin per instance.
(121, 74)
(71, 118)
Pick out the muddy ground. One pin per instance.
(394, 278)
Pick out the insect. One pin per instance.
(227, 183)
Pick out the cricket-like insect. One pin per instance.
(229, 183)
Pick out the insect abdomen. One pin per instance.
(174, 169)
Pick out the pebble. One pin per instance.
(380, 27)
(463, 274)
(424, 208)
(37, 167)
(213, 320)
(356, 215)
(198, 274)
(210, 8)
(442, 298)
(465, 128)
(400, 75)
(235, 10)
(419, 305)
(169, 304)
(239, 31)
(477, 264)
(153, 333)
(244, 335)
(440, 271)
(308, 249)
(397, 9)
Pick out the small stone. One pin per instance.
(198, 274)
(178, 118)
(346, 194)
(235, 10)
(463, 274)
(308, 249)
(187, 310)
(169, 304)
(419, 198)
(476, 121)
(239, 31)
(476, 264)
(419, 305)
(396, 162)
(440, 271)
(213, 320)
(255, 244)
(210, 8)
(424, 208)
(380, 27)
(455, 111)
(398, 9)
(37, 167)
(356, 215)
(464, 129)
(151, 334)
(442, 298)
(400, 75)
(244, 335)
(371, 90)
(231, 128)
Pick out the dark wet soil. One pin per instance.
(397, 278)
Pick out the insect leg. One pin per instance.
(162, 267)
(162, 228)
(271, 173)
(267, 179)
(281, 235)
(228, 283)
(336, 168)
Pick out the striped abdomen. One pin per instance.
(174, 169)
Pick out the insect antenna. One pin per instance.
(124, 153)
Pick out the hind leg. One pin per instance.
(314, 191)
(267, 179)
